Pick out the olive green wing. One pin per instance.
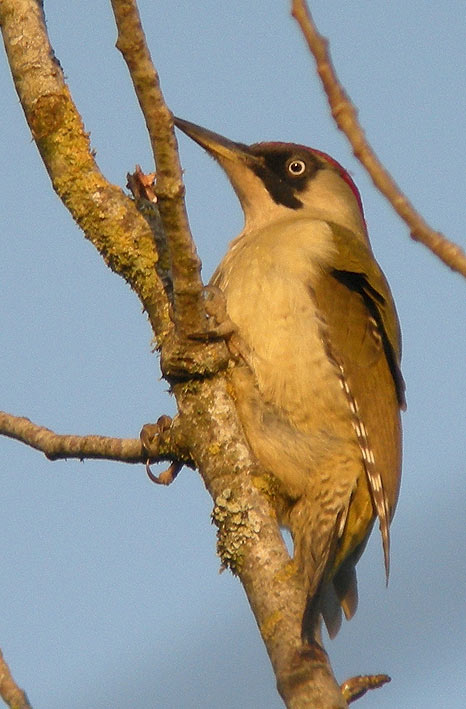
(361, 331)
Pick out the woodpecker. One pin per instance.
(319, 387)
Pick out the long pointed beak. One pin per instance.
(219, 147)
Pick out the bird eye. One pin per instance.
(296, 167)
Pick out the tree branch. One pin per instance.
(345, 116)
(9, 691)
(356, 687)
(56, 446)
(108, 218)
(189, 311)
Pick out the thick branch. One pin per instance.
(56, 446)
(107, 216)
(345, 116)
(186, 267)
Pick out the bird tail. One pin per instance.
(333, 597)
(311, 622)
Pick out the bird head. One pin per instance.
(276, 181)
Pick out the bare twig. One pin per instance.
(11, 694)
(345, 116)
(56, 446)
(185, 264)
(356, 687)
(107, 216)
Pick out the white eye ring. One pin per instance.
(296, 167)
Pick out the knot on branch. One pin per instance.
(46, 115)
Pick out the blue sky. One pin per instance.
(110, 593)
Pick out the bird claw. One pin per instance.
(219, 324)
(149, 435)
(168, 475)
(151, 431)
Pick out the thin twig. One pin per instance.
(356, 687)
(11, 694)
(56, 446)
(345, 116)
(185, 264)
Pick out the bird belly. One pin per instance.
(289, 397)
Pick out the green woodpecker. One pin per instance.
(320, 389)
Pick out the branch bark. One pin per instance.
(345, 116)
(356, 687)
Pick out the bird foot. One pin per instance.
(220, 325)
(167, 476)
(150, 436)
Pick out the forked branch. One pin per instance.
(108, 218)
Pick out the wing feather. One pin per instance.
(362, 335)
